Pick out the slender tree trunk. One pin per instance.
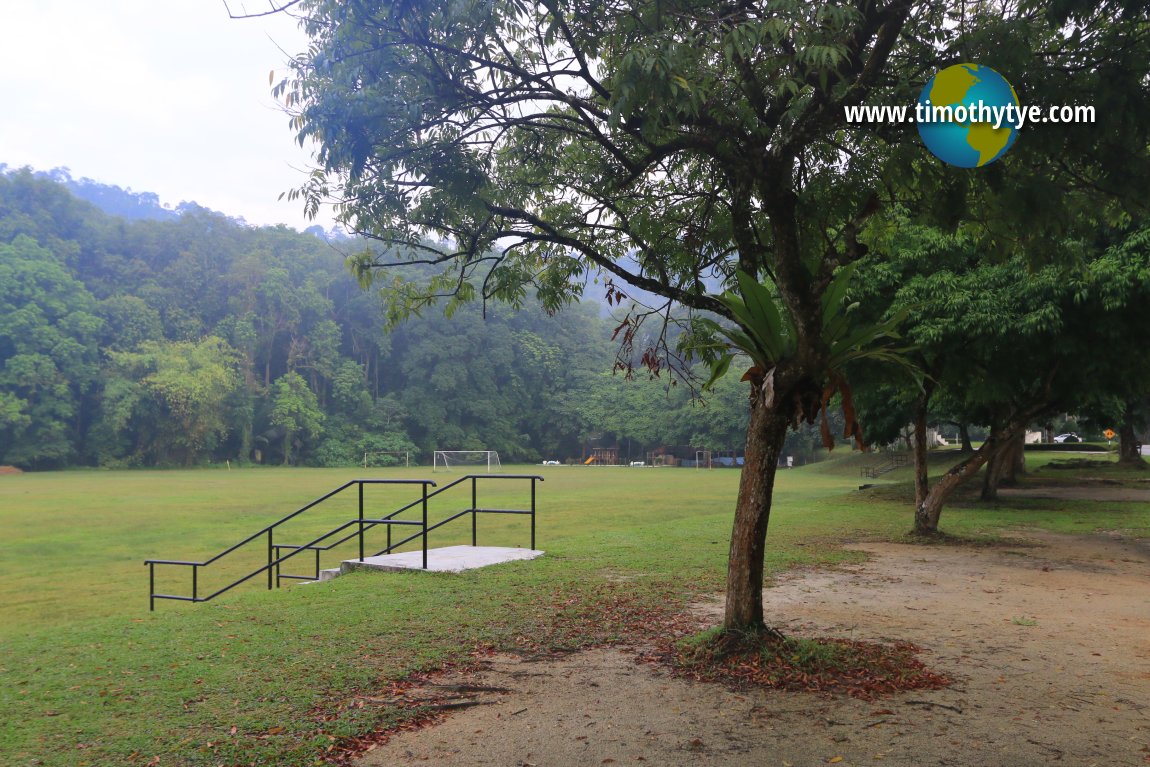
(992, 476)
(247, 427)
(1128, 453)
(1017, 459)
(246, 434)
(765, 436)
(964, 435)
(921, 467)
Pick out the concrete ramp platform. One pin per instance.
(449, 559)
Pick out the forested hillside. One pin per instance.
(192, 338)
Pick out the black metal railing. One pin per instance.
(895, 461)
(359, 526)
(423, 533)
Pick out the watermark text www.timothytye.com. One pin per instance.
(997, 115)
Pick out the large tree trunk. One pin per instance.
(765, 436)
(928, 511)
(1016, 459)
(1003, 468)
(1128, 453)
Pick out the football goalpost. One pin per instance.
(446, 460)
(378, 458)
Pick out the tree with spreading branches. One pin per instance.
(666, 147)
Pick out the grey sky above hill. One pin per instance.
(164, 96)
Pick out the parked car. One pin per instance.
(1071, 437)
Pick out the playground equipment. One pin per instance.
(603, 456)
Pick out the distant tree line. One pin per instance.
(183, 339)
(179, 340)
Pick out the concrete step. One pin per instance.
(449, 559)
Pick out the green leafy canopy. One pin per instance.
(767, 335)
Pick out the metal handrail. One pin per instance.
(275, 558)
(389, 519)
(269, 532)
(274, 563)
(894, 461)
(307, 546)
(473, 478)
(295, 514)
(474, 510)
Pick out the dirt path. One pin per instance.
(1049, 642)
(1099, 494)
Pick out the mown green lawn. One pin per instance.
(89, 676)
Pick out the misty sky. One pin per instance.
(164, 96)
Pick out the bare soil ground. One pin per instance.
(1048, 640)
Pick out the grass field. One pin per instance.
(89, 676)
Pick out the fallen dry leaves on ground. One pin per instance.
(864, 670)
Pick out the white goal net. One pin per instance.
(446, 460)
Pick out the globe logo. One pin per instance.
(958, 111)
